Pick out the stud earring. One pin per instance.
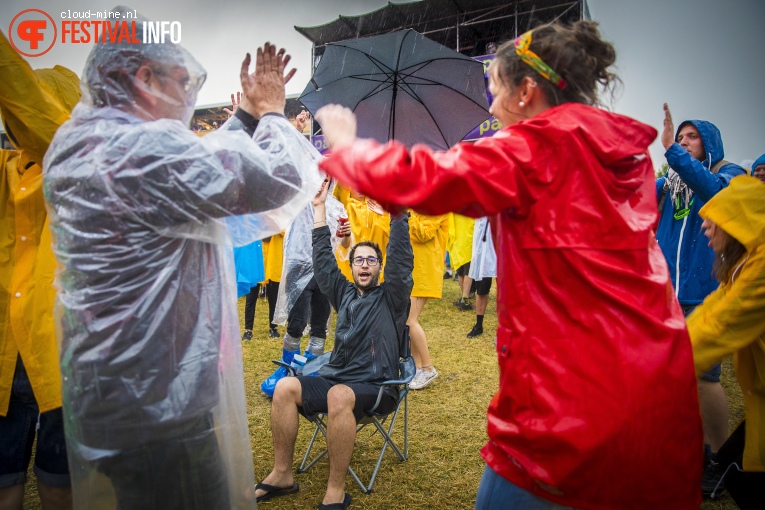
(521, 104)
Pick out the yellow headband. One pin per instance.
(522, 44)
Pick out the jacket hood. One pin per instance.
(739, 210)
(60, 83)
(710, 137)
(757, 162)
(614, 138)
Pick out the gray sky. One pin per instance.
(700, 56)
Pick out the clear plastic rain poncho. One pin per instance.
(297, 268)
(144, 214)
(484, 259)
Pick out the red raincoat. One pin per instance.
(597, 404)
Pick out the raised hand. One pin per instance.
(235, 101)
(263, 90)
(321, 196)
(338, 125)
(301, 120)
(668, 133)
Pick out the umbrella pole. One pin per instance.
(392, 125)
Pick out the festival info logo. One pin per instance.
(34, 32)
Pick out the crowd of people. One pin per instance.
(618, 294)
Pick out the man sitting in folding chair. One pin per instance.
(371, 318)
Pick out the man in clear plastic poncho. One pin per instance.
(142, 215)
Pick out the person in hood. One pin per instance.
(697, 172)
(730, 321)
(371, 318)
(143, 214)
(597, 405)
(33, 104)
(758, 168)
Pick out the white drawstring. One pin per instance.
(717, 486)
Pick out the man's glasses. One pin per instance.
(371, 261)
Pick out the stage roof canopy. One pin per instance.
(464, 25)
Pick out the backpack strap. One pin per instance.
(718, 166)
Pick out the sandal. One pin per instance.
(274, 492)
(337, 506)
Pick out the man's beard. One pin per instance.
(373, 282)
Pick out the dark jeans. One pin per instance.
(17, 433)
(183, 473)
(272, 294)
(311, 303)
(746, 488)
(249, 306)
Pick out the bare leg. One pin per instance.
(341, 435)
(11, 498)
(465, 284)
(714, 413)
(481, 302)
(284, 428)
(54, 498)
(420, 351)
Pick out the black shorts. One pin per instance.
(483, 286)
(464, 269)
(316, 388)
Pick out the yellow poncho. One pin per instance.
(732, 319)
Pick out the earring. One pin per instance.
(521, 104)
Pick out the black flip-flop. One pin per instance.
(273, 491)
(337, 506)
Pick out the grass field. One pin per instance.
(447, 420)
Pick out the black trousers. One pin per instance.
(311, 304)
(183, 473)
(746, 488)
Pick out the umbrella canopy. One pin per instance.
(402, 86)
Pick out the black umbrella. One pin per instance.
(402, 86)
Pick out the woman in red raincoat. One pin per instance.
(597, 405)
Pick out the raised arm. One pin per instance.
(32, 114)
(474, 180)
(703, 182)
(399, 263)
(331, 281)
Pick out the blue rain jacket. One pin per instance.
(685, 247)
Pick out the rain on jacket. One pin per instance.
(369, 325)
(682, 240)
(732, 319)
(597, 405)
(33, 105)
(460, 243)
(429, 235)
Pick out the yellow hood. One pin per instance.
(739, 210)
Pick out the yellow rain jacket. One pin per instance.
(273, 256)
(366, 225)
(429, 235)
(33, 105)
(460, 243)
(732, 319)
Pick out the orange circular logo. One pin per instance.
(32, 32)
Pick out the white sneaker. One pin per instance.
(423, 378)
